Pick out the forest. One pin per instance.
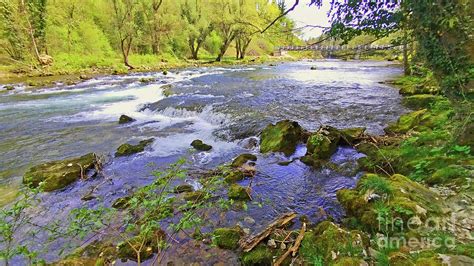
(158, 132)
(87, 33)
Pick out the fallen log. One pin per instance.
(252, 241)
(298, 240)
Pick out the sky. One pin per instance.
(309, 15)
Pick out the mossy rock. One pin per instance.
(227, 238)
(406, 122)
(260, 255)
(466, 136)
(195, 195)
(183, 188)
(200, 146)
(238, 192)
(323, 143)
(58, 174)
(350, 136)
(419, 89)
(281, 137)
(9, 87)
(150, 246)
(129, 149)
(328, 238)
(447, 175)
(311, 162)
(167, 90)
(122, 203)
(420, 101)
(243, 159)
(79, 262)
(400, 259)
(349, 261)
(124, 119)
(234, 176)
(146, 80)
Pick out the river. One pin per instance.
(223, 106)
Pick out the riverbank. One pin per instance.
(14, 74)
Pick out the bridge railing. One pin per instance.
(315, 47)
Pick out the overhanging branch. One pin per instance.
(280, 16)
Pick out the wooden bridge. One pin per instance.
(332, 48)
(336, 47)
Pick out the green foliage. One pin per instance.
(377, 184)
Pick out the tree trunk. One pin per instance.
(406, 65)
(126, 45)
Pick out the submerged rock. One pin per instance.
(124, 119)
(129, 149)
(281, 137)
(200, 146)
(183, 188)
(234, 176)
(420, 101)
(242, 159)
(195, 195)
(148, 245)
(58, 174)
(238, 192)
(227, 238)
(9, 87)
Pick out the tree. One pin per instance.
(442, 30)
(225, 24)
(124, 21)
(198, 25)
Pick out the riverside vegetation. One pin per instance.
(412, 206)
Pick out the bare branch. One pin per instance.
(280, 16)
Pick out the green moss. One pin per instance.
(399, 259)
(375, 183)
(328, 238)
(260, 255)
(200, 146)
(406, 122)
(58, 174)
(352, 135)
(237, 192)
(281, 137)
(242, 159)
(195, 195)
(323, 143)
(349, 261)
(149, 245)
(124, 119)
(227, 238)
(183, 188)
(234, 176)
(420, 101)
(129, 149)
(310, 161)
(447, 174)
(121, 203)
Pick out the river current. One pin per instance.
(223, 106)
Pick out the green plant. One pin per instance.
(376, 184)
(12, 219)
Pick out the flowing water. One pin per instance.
(225, 107)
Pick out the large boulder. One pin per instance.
(281, 137)
(129, 149)
(58, 174)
